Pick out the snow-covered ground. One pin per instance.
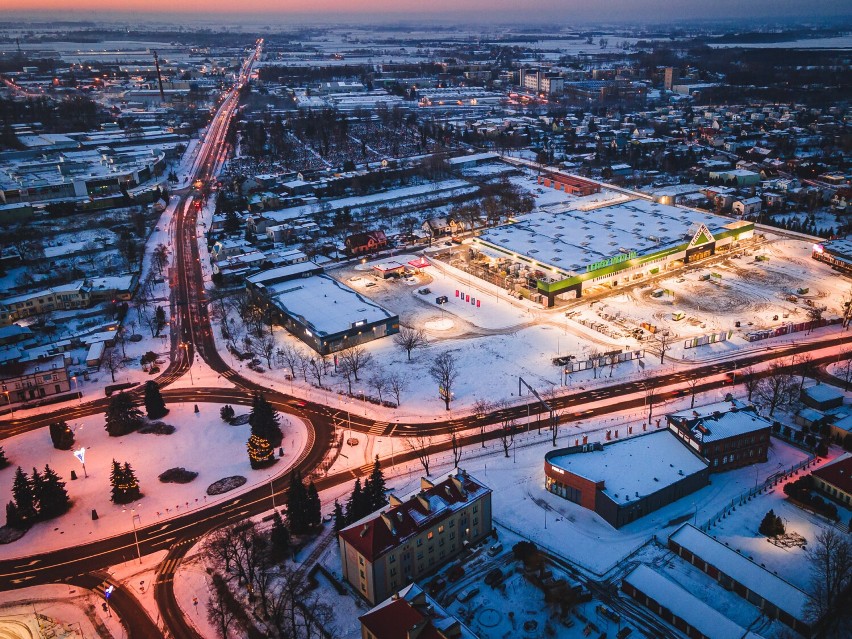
(202, 443)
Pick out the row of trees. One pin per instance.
(36, 497)
(362, 501)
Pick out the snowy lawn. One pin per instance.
(202, 443)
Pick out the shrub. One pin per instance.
(177, 476)
(157, 428)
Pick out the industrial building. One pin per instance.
(406, 540)
(565, 249)
(838, 253)
(325, 314)
(625, 480)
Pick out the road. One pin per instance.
(192, 337)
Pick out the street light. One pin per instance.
(272, 492)
(133, 516)
(80, 454)
(9, 403)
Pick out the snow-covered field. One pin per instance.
(202, 443)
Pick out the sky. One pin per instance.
(554, 11)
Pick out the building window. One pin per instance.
(440, 529)
(420, 555)
(361, 561)
(430, 534)
(452, 535)
(392, 559)
(363, 576)
(419, 542)
(475, 508)
(452, 523)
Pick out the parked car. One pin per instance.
(494, 577)
(495, 550)
(455, 573)
(467, 594)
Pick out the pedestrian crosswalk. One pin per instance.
(168, 569)
(378, 428)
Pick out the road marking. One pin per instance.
(163, 541)
(23, 579)
(32, 563)
(378, 428)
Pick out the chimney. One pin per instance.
(425, 484)
(424, 501)
(393, 500)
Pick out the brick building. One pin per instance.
(835, 480)
(412, 613)
(727, 434)
(406, 540)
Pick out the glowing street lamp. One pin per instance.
(133, 516)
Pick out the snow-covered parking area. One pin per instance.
(202, 443)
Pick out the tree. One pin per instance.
(24, 498)
(291, 356)
(13, 518)
(260, 452)
(220, 614)
(481, 408)
(831, 571)
(458, 448)
(374, 487)
(777, 389)
(266, 346)
(122, 417)
(397, 384)
(693, 384)
(664, 343)
(297, 504)
(159, 320)
(279, 536)
(339, 517)
(750, 380)
(357, 358)
(114, 362)
(227, 413)
(313, 507)
(410, 339)
(318, 367)
(804, 366)
(61, 435)
(444, 371)
(507, 434)
(772, 525)
(51, 494)
(420, 445)
(379, 383)
(4, 461)
(154, 404)
(264, 420)
(125, 486)
(357, 506)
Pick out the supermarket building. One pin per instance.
(569, 248)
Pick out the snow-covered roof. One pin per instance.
(655, 460)
(325, 305)
(823, 393)
(708, 621)
(765, 584)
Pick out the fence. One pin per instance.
(769, 482)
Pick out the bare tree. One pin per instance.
(777, 389)
(804, 366)
(379, 383)
(266, 346)
(507, 434)
(357, 358)
(114, 362)
(481, 408)
(410, 339)
(397, 384)
(650, 396)
(457, 446)
(219, 612)
(846, 371)
(344, 367)
(420, 445)
(444, 371)
(160, 258)
(750, 380)
(693, 384)
(831, 571)
(318, 367)
(558, 414)
(664, 339)
(292, 357)
(814, 317)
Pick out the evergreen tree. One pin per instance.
(53, 498)
(13, 518)
(122, 417)
(226, 413)
(339, 517)
(154, 404)
(37, 483)
(61, 435)
(260, 452)
(22, 494)
(125, 486)
(356, 506)
(374, 488)
(264, 420)
(770, 525)
(4, 461)
(313, 507)
(279, 536)
(297, 502)
(159, 320)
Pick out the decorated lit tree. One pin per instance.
(260, 452)
(264, 421)
(154, 404)
(122, 417)
(125, 486)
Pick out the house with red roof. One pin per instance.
(412, 613)
(835, 479)
(406, 540)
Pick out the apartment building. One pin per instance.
(68, 296)
(22, 382)
(406, 540)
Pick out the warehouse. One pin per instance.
(573, 247)
(594, 476)
(325, 314)
(838, 253)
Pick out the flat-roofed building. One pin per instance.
(22, 382)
